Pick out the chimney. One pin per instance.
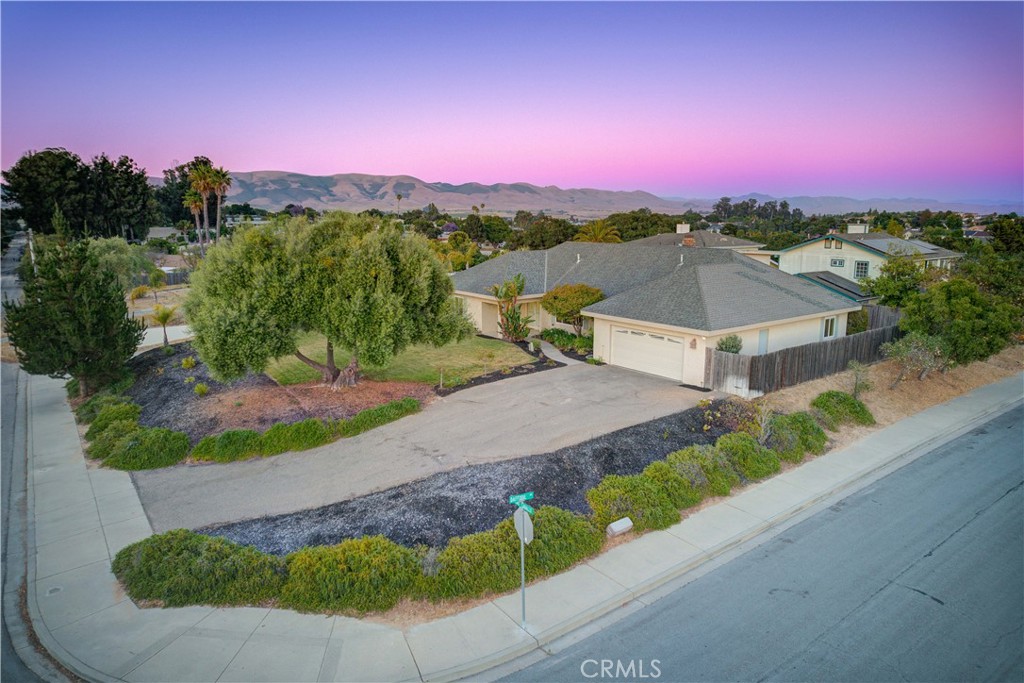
(682, 228)
(688, 241)
(857, 228)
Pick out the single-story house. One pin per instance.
(664, 303)
(857, 256)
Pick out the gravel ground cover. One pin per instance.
(475, 498)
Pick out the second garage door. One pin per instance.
(657, 354)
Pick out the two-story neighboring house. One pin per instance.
(853, 257)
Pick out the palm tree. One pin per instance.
(398, 204)
(221, 182)
(598, 231)
(201, 178)
(162, 315)
(194, 202)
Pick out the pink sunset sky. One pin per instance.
(679, 99)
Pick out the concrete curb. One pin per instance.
(488, 637)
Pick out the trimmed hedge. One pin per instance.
(184, 568)
(300, 436)
(110, 414)
(148, 448)
(375, 417)
(366, 574)
(488, 562)
(719, 476)
(641, 499)
(795, 435)
(678, 488)
(107, 442)
(835, 408)
(751, 459)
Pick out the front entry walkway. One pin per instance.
(519, 416)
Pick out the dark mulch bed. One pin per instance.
(475, 498)
(542, 363)
(168, 401)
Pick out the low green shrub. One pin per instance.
(562, 339)
(110, 414)
(488, 562)
(751, 459)
(234, 444)
(680, 491)
(583, 345)
(88, 411)
(300, 436)
(715, 475)
(169, 350)
(364, 574)
(188, 362)
(184, 568)
(635, 496)
(148, 448)
(835, 408)
(201, 390)
(107, 442)
(375, 417)
(795, 435)
(730, 344)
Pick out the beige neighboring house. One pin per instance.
(859, 255)
(664, 303)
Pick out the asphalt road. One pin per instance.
(13, 486)
(919, 577)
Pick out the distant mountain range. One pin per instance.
(356, 192)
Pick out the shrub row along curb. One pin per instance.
(373, 573)
(117, 439)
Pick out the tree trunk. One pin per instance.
(330, 362)
(326, 373)
(166, 343)
(347, 377)
(206, 216)
(82, 387)
(216, 233)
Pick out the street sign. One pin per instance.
(520, 498)
(524, 525)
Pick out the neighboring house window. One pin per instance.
(828, 244)
(860, 269)
(839, 244)
(830, 328)
(838, 262)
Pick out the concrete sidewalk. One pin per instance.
(80, 516)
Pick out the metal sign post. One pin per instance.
(524, 529)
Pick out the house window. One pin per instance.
(839, 244)
(829, 329)
(828, 244)
(838, 262)
(860, 269)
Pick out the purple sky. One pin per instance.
(688, 99)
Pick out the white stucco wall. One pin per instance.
(815, 257)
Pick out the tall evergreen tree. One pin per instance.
(73, 319)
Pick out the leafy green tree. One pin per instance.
(598, 231)
(120, 201)
(971, 324)
(730, 344)
(543, 232)
(162, 316)
(496, 230)
(73, 319)
(998, 273)
(124, 261)
(170, 195)
(641, 223)
(901, 278)
(515, 327)
(361, 284)
(1008, 234)
(566, 301)
(473, 227)
(39, 182)
(915, 352)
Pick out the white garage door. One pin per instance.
(657, 354)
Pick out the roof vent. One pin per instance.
(680, 259)
(577, 258)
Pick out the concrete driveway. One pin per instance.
(519, 416)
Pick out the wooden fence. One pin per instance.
(752, 376)
(882, 316)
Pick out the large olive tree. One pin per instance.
(361, 284)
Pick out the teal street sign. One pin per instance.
(519, 500)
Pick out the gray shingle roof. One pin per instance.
(695, 288)
(838, 283)
(701, 238)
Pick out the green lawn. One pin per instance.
(422, 363)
